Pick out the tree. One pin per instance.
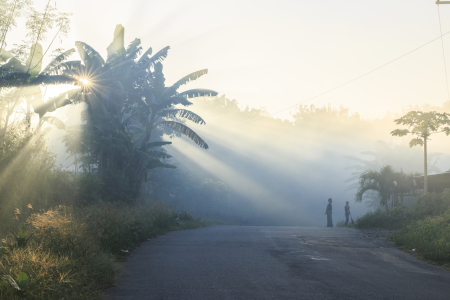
(387, 183)
(381, 182)
(158, 109)
(422, 125)
(397, 156)
(126, 100)
(14, 70)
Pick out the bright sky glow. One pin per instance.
(279, 53)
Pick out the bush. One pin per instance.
(432, 204)
(430, 237)
(73, 254)
(380, 219)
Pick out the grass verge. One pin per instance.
(74, 254)
(424, 231)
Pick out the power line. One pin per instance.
(443, 53)
(365, 74)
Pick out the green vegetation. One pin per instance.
(74, 254)
(66, 231)
(381, 220)
(424, 231)
(423, 124)
(388, 184)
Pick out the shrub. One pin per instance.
(62, 260)
(380, 219)
(73, 254)
(430, 237)
(432, 204)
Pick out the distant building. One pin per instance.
(436, 182)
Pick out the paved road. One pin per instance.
(234, 262)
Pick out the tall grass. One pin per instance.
(379, 219)
(428, 238)
(74, 254)
(429, 205)
(425, 230)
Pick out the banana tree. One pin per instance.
(23, 81)
(157, 109)
(13, 73)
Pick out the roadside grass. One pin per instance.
(378, 219)
(424, 231)
(428, 239)
(75, 254)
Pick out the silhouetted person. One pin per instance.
(328, 212)
(347, 212)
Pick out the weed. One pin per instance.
(380, 219)
(429, 237)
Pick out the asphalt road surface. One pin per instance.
(240, 262)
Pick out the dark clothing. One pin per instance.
(329, 213)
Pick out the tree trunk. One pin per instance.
(425, 166)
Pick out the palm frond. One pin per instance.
(157, 144)
(158, 154)
(366, 186)
(91, 58)
(173, 101)
(41, 107)
(182, 113)
(134, 49)
(144, 56)
(12, 65)
(14, 79)
(148, 62)
(193, 76)
(136, 128)
(198, 93)
(72, 68)
(56, 65)
(186, 131)
(54, 121)
(156, 163)
(136, 43)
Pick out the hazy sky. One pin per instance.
(279, 53)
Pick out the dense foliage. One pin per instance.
(74, 254)
(388, 184)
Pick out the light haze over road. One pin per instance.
(263, 262)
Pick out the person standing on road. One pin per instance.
(329, 212)
(347, 212)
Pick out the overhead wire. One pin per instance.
(363, 75)
(443, 53)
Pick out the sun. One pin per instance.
(84, 81)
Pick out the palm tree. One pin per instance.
(422, 125)
(387, 184)
(381, 182)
